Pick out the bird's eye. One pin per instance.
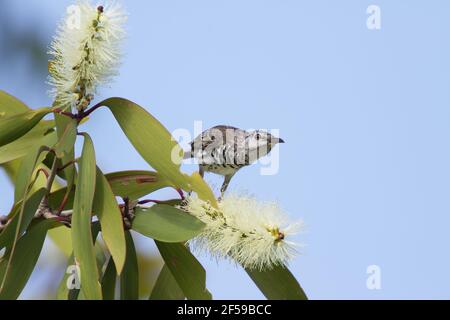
(213, 138)
(258, 136)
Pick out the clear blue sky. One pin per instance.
(365, 115)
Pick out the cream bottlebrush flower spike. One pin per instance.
(86, 52)
(252, 233)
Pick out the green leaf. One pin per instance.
(83, 245)
(66, 130)
(26, 170)
(156, 145)
(278, 284)
(23, 178)
(66, 139)
(57, 197)
(109, 281)
(166, 287)
(202, 189)
(26, 254)
(15, 126)
(31, 205)
(60, 236)
(20, 147)
(129, 279)
(136, 184)
(167, 224)
(63, 292)
(10, 105)
(150, 138)
(185, 268)
(108, 212)
(132, 184)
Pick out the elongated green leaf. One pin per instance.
(109, 281)
(15, 126)
(19, 148)
(107, 211)
(27, 252)
(202, 189)
(66, 130)
(66, 139)
(185, 268)
(64, 291)
(150, 138)
(100, 257)
(31, 205)
(132, 184)
(156, 145)
(25, 173)
(166, 287)
(23, 177)
(57, 197)
(129, 279)
(136, 184)
(83, 245)
(167, 224)
(10, 105)
(60, 236)
(278, 284)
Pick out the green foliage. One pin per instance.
(166, 223)
(30, 207)
(15, 270)
(20, 147)
(136, 184)
(110, 217)
(109, 281)
(277, 284)
(129, 279)
(39, 156)
(166, 287)
(83, 246)
(15, 126)
(10, 105)
(187, 271)
(156, 145)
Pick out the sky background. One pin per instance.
(365, 116)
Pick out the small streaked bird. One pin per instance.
(224, 150)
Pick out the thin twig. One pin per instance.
(64, 201)
(68, 164)
(88, 112)
(52, 177)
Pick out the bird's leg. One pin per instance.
(225, 184)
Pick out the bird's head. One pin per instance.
(262, 140)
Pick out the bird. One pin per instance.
(224, 150)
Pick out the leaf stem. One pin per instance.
(68, 164)
(81, 113)
(52, 176)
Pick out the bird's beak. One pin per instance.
(280, 140)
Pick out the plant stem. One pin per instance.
(52, 176)
(68, 164)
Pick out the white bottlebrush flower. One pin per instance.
(86, 52)
(254, 234)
